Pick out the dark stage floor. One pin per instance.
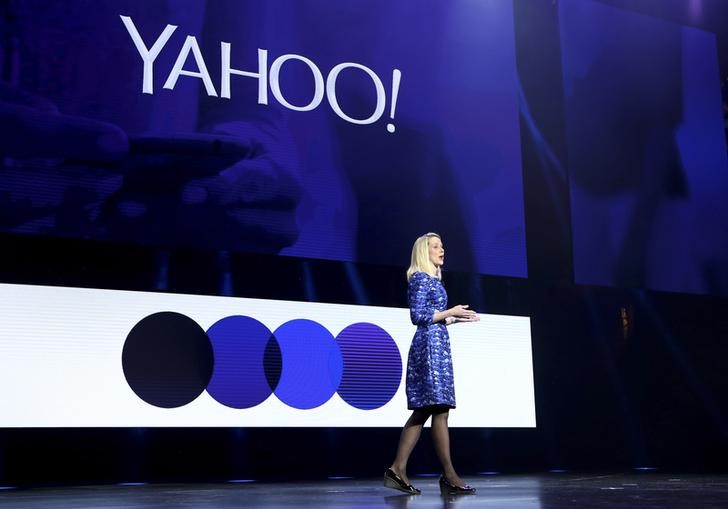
(552, 491)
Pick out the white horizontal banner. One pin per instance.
(76, 357)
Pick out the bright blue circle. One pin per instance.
(372, 366)
(238, 377)
(312, 364)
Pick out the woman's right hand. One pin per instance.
(462, 313)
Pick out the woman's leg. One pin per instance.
(441, 439)
(408, 440)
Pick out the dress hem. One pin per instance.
(420, 407)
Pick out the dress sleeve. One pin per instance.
(421, 310)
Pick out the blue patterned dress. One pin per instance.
(429, 365)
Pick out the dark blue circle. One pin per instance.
(242, 345)
(372, 366)
(167, 359)
(312, 364)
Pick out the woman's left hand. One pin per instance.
(457, 319)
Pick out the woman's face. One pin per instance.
(436, 251)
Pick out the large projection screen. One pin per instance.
(288, 127)
(648, 170)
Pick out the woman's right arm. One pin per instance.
(421, 311)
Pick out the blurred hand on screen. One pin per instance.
(259, 193)
(57, 169)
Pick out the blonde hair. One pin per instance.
(420, 260)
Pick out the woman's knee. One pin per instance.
(419, 416)
(440, 412)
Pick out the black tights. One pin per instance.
(440, 438)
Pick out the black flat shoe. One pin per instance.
(448, 488)
(392, 480)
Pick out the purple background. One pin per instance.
(647, 151)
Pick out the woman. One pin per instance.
(430, 387)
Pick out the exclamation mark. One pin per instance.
(396, 77)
